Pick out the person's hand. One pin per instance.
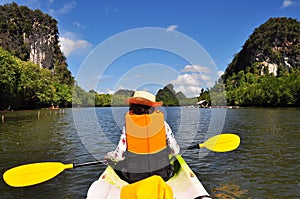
(108, 161)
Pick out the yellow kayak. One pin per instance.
(184, 184)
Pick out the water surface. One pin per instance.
(266, 165)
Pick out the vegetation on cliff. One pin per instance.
(266, 72)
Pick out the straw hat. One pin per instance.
(144, 98)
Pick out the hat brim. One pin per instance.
(143, 101)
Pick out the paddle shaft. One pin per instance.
(196, 146)
(88, 163)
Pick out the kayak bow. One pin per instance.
(184, 183)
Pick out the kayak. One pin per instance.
(184, 183)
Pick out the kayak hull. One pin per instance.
(184, 184)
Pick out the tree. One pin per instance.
(103, 100)
(10, 74)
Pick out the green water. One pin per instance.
(266, 165)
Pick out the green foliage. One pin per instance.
(119, 100)
(82, 98)
(103, 100)
(62, 95)
(188, 101)
(63, 75)
(34, 86)
(184, 101)
(253, 90)
(217, 95)
(204, 95)
(10, 74)
(168, 96)
(125, 92)
(25, 85)
(92, 98)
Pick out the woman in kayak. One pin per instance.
(145, 141)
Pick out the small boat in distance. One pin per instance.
(54, 107)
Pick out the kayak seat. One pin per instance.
(167, 173)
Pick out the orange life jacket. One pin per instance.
(145, 133)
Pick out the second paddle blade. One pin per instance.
(222, 142)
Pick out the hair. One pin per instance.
(140, 109)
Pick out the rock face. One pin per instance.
(30, 35)
(42, 46)
(273, 47)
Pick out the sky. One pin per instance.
(145, 45)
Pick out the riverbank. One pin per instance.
(23, 114)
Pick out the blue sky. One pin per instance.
(220, 27)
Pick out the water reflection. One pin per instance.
(229, 191)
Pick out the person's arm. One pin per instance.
(119, 153)
(172, 143)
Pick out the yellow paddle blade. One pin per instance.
(31, 174)
(222, 142)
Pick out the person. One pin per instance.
(146, 140)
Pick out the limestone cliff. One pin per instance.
(30, 35)
(273, 47)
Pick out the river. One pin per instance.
(266, 164)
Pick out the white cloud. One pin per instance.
(193, 79)
(187, 80)
(196, 69)
(107, 91)
(287, 3)
(191, 84)
(190, 91)
(67, 7)
(78, 25)
(69, 45)
(172, 28)
(220, 73)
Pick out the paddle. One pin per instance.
(220, 143)
(35, 173)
